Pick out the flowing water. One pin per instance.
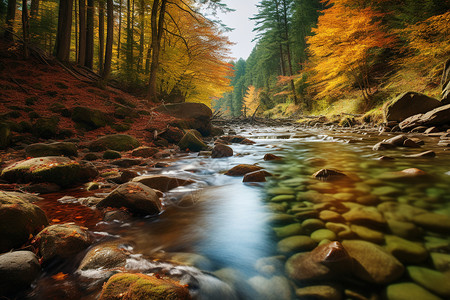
(231, 230)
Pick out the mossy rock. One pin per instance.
(111, 154)
(191, 142)
(123, 112)
(121, 127)
(124, 101)
(25, 127)
(53, 149)
(55, 169)
(139, 286)
(18, 220)
(46, 127)
(89, 118)
(117, 142)
(5, 135)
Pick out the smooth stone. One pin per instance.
(432, 280)
(281, 219)
(274, 288)
(433, 222)
(344, 197)
(343, 231)
(162, 183)
(323, 234)
(437, 244)
(320, 292)
(373, 263)
(404, 229)
(330, 216)
(323, 187)
(283, 198)
(427, 154)
(296, 243)
(256, 176)
(408, 291)
(288, 230)
(330, 175)
(17, 271)
(368, 234)
(270, 265)
(368, 200)
(311, 225)
(441, 261)
(242, 169)
(221, 150)
(386, 191)
(365, 216)
(406, 251)
(281, 191)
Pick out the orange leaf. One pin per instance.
(56, 220)
(60, 276)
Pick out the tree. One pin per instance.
(25, 28)
(109, 40)
(10, 17)
(89, 56)
(62, 46)
(101, 34)
(83, 31)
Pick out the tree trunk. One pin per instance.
(34, 8)
(25, 28)
(109, 40)
(89, 60)
(101, 34)
(129, 54)
(10, 16)
(120, 31)
(62, 45)
(288, 50)
(142, 37)
(157, 31)
(82, 34)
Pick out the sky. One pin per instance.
(242, 34)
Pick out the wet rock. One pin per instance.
(368, 216)
(382, 146)
(62, 241)
(53, 149)
(311, 225)
(30, 198)
(140, 286)
(343, 231)
(368, 234)
(386, 191)
(372, 263)
(116, 215)
(117, 142)
(432, 280)
(18, 220)
(221, 150)
(325, 262)
(398, 140)
(441, 261)
(91, 156)
(386, 158)
(427, 154)
(161, 182)
(436, 117)
(408, 104)
(406, 251)
(320, 292)
(281, 219)
(256, 176)
(330, 216)
(54, 169)
(172, 134)
(432, 129)
(288, 230)
(274, 288)
(242, 169)
(185, 259)
(296, 243)
(404, 229)
(269, 157)
(410, 144)
(410, 174)
(270, 265)
(126, 162)
(144, 152)
(136, 197)
(323, 234)
(330, 175)
(407, 291)
(237, 139)
(433, 222)
(109, 255)
(17, 271)
(419, 129)
(42, 188)
(111, 154)
(192, 143)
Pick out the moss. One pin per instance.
(192, 143)
(117, 142)
(121, 127)
(111, 154)
(46, 127)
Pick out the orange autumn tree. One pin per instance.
(251, 101)
(346, 43)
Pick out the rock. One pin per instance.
(140, 286)
(195, 115)
(330, 175)
(117, 142)
(433, 222)
(320, 292)
(172, 134)
(398, 140)
(111, 154)
(441, 261)
(241, 170)
(89, 118)
(144, 152)
(18, 220)
(237, 139)
(274, 288)
(445, 83)
(269, 157)
(368, 234)
(256, 176)
(343, 231)
(411, 174)
(311, 225)
(426, 154)
(53, 149)
(436, 117)
(192, 143)
(54, 169)
(325, 262)
(419, 129)
(288, 230)
(30, 198)
(46, 128)
(432, 280)
(323, 234)
(5, 136)
(432, 129)
(330, 216)
(221, 150)
(365, 215)
(17, 271)
(406, 251)
(109, 255)
(409, 143)
(404, 229)
(126, 162)
(296, 243)
(382, 146)
(62, 241)
(91, 157)
(408, 104)
(373, 263)
(136, 197)
(161, 182)
(408, 291)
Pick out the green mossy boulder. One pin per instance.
(117, 142)
(18, 220)
(192, 143)
(53, 149)
(139, 286)
(46, 128)
(88, 118)
(111, 154)
(55, 169)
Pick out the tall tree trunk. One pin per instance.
(34, 11)
(62, 46)
(76, 31)
(101, 34)
(120, 31)
(288, 50)
(109, 40)
(10, 17)
(282, 63)
(157, 25)
(89, 60)
(142, 38)
(25, 28)
(82, 36)
(129, 46)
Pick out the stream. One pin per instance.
(232, 230)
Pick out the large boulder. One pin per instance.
(62, 241)
(117, 142)
(18, 220)
(5, 135)
(53, 149)
(17, 271)
(409, 104)
(436, 117)
(140, 286)
(196, 115)
(107, 255)
(54, 169)
(135, 196)
(89, 118)
(446, 84)
(161, 182)
(192, 142)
